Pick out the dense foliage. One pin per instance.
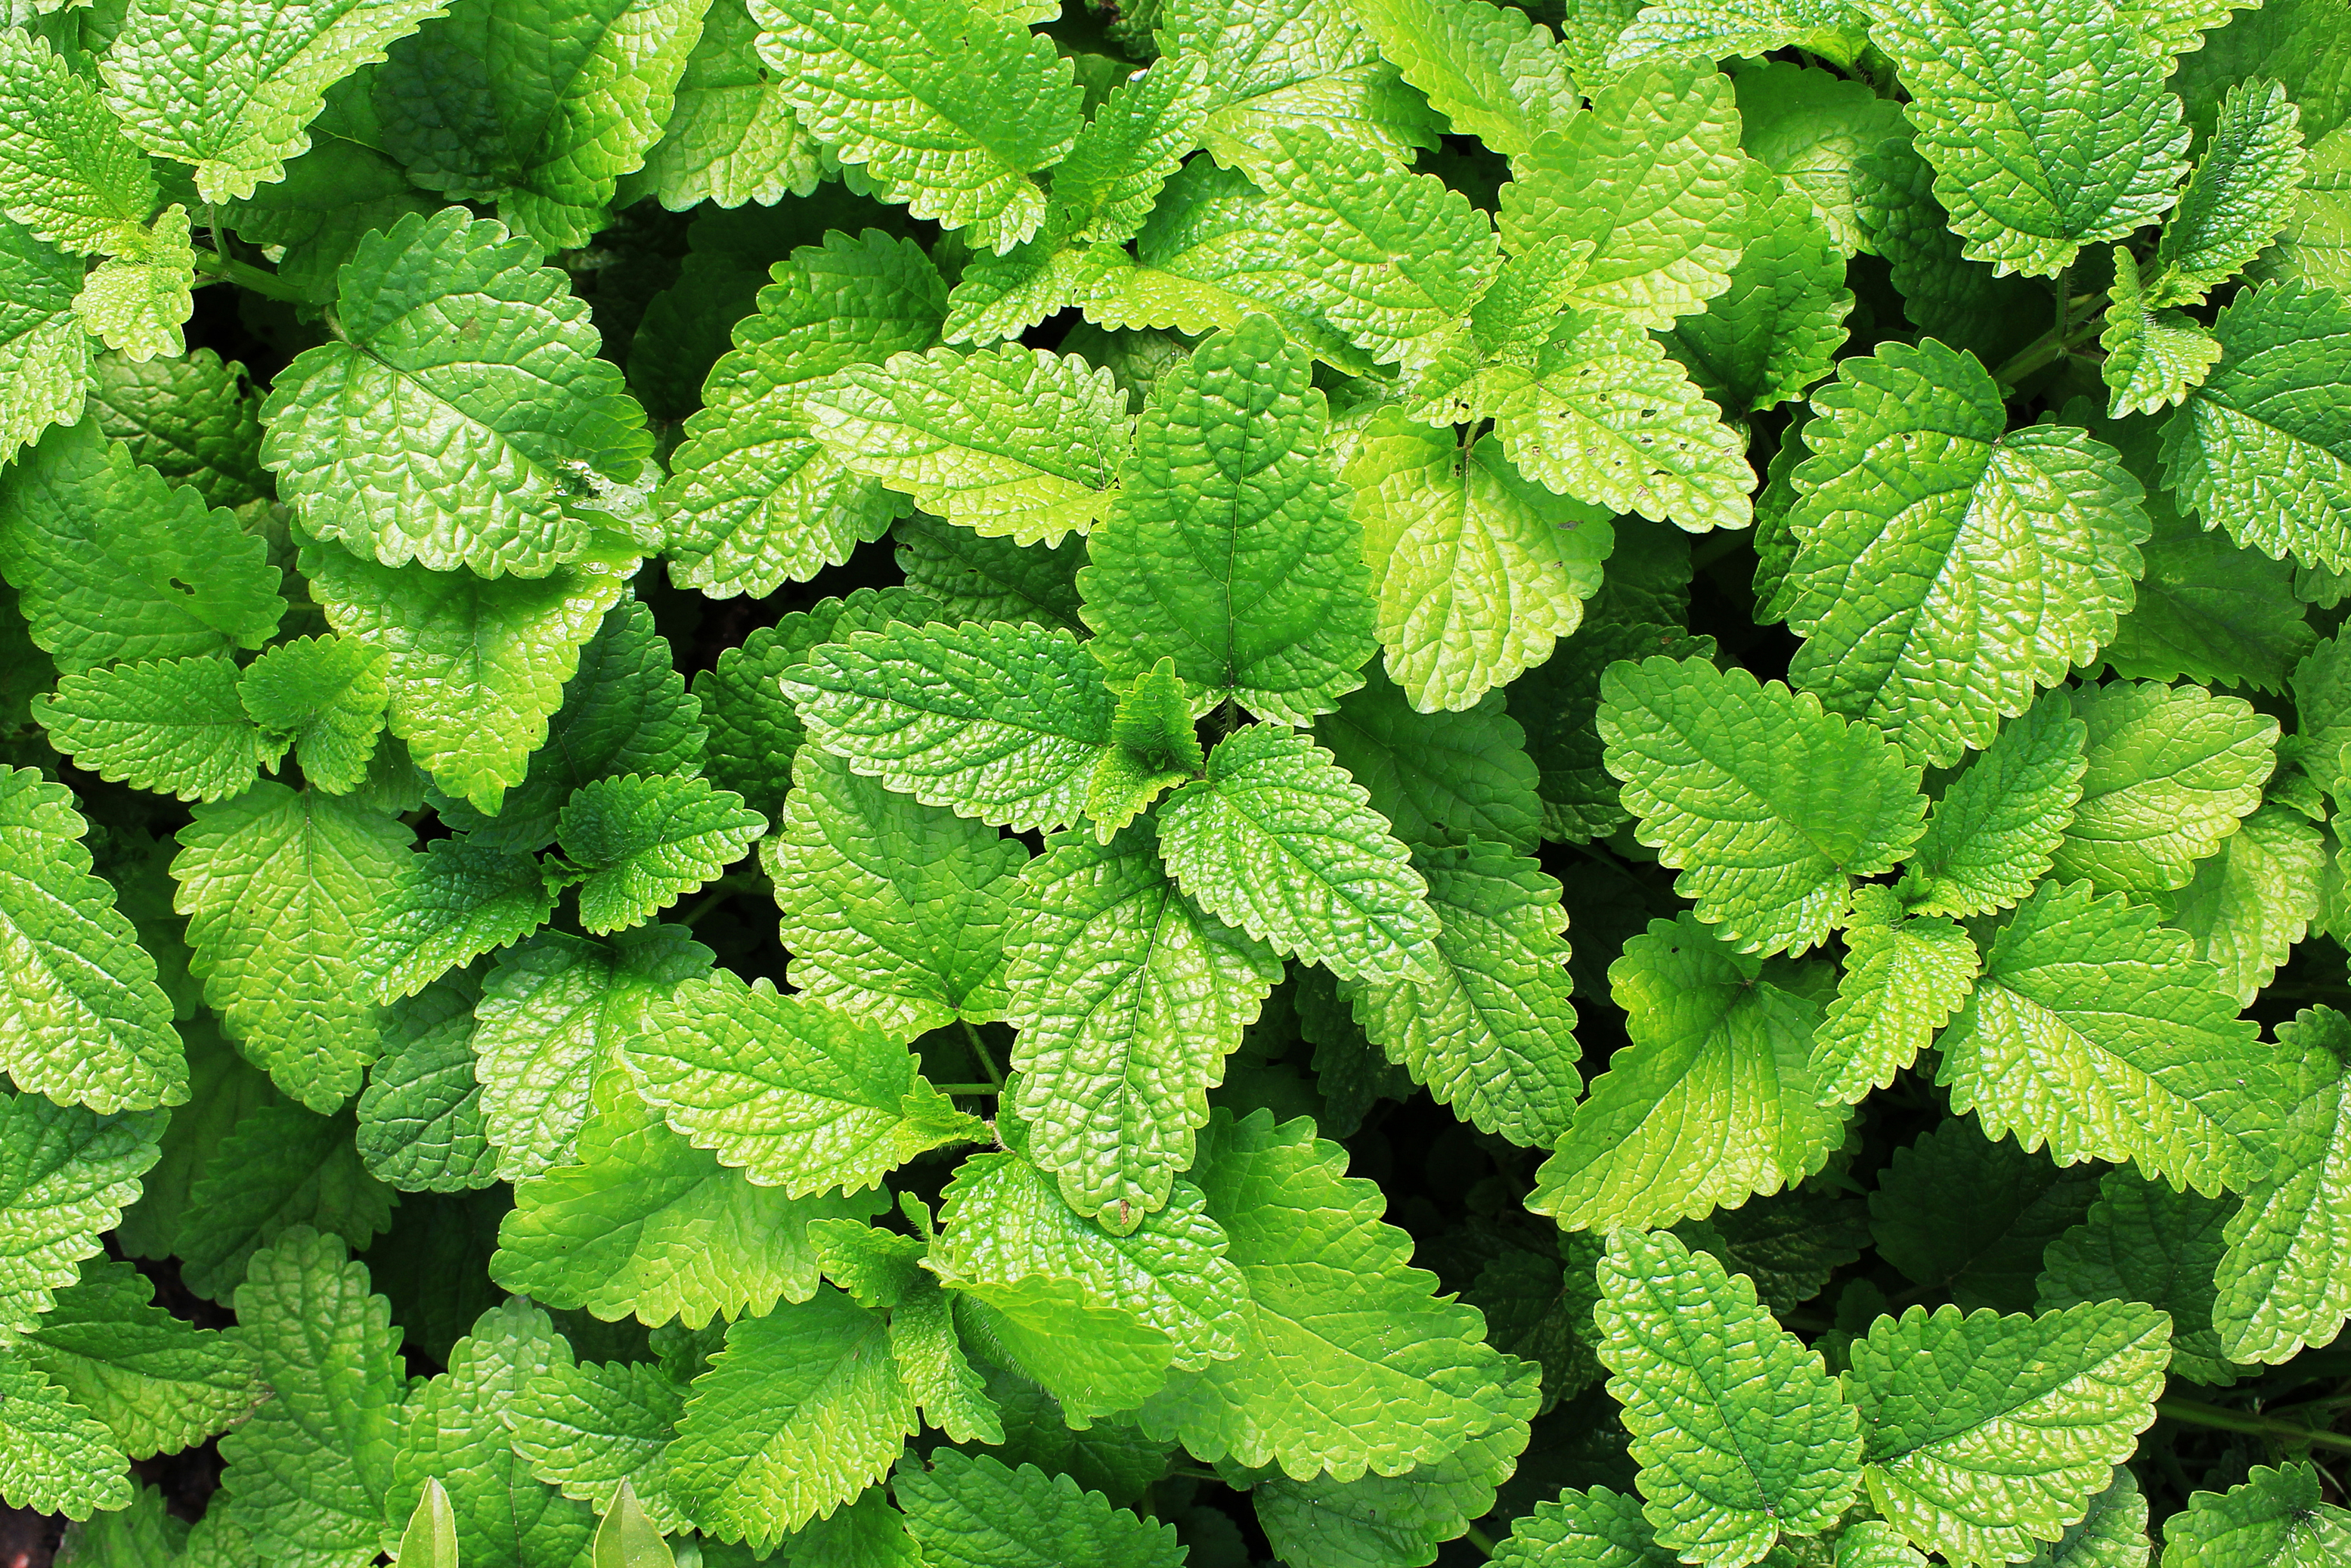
(817, 792)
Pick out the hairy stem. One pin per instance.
(980, 1053)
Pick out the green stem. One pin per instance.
(1479, 1538)
(979, 1051)
(244, 275)
(2047, 349)
(2198, 1414)
(968, 1088)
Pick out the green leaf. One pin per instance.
(1603, 415)
(753, 500)
(327, 695)
(421, 1125)
(947, 109)
(476, 666)
(1475, 570)
(1715, 29)
(2096, 1031)
(1652, 177)
(1002, 722)
(541, 107)
(281, 887)
(1594, 1528)
(2248, 905)
(1158, 746)
(1438, 778)
(627, 1539)
(2005, 557)
(194, 419)
(1993, 832)
(136, 302)
(308, 1473)
(797, 1415)
(802, 1097)
(453, 1431)
(264, 75)
(1903, 980)
(1385, 1520)
(1769, 805)
(53, 1457)
(1127, 997)
(1348, 1363)
(731, 137)
(157, 1384)
(175, 727)
(1737, 1426)
(645, 842)
(2144, 1241)
(1711, 1102)
(223, 1088)
(1967, 304)
(2315, 246)
(2154, 357)
(1139, 135)
(85, 1021)
(2172, 772)
(66, 171)
(139, 1534)
(111, 563)
(2240, 197)
(431, 1537)
(409, 443)
(2286, 1281)
(1017, 442)
(976, 578)
(281, 1167)
(1278, 841)
(1811, 128)
(1985, 1436)
(588, 1428)
(2276, 1518)
(446, 907)
(642, 1222)
(44, 352)
(1491, 73)
(980, 1514)
(1776, 329)
(2047, 125)
(66, 1175)
(1958, 1213)
(554, 1015)
(2112, 1534)
(2255, 449)
(1230, 548)
(893, 912)
(1493, 1035)
(331, 197)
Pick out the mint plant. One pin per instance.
(1341, 782)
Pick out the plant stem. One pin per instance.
(2045, 350)
(2198, 1414)
(952, 1088)
(979, 1051)
(244, 275)
(1479, 1538)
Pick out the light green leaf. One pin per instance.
(587, 1428)
(731, 137)
(2154, 357)
(2172, 772)
(802, 1097)
(753, 501)
(1711, 31)
(1230, 548)
(893, 912)
(66, 171)
(1017, 442)
(85, 1021)
(2145, 1242)
(2240, 197)
(1767, 804)
(476, 666)
(1489, 71)
(44, 352)
(2286, 1281)
(430, 1538)
(157, 1384)
(1594, 1528)
(1139, 135)
(646, 843)
(2316, 244)
(1993, 832)
(2047, 126)
(1157, 748)
(2276, 1518)
(281, 1167)
(1002, 722)
(66, 1175)
(1737, 1426)
(109, 563)
(981, 1513)
(1903, 980)
(2248, 905)
(1438, 778)
(1985, 1436)
(1090, 1361)
(327, 695)
(1282, 63)
(1652, 177)
(1382, 1520)
(1777, 329)
(1713, 1100)
(446, 907)
(53, 1457)
(627, 1539)
(141, 1534)
(421, 1126)
(1348, 1363)
(2096, 1031)
(2260, 449)
(308, 1474)
(1493, 1035)
(2207, 610)
(175, 727)
(1811, 127)
(945, 107)
(280, 886)
(454, 1431)
(2112, 1534)
(554, 1015)
(265, 68)
(2001, 557)
(797, 1415)
(137, 301)
(1477, 571)
(330, 198)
